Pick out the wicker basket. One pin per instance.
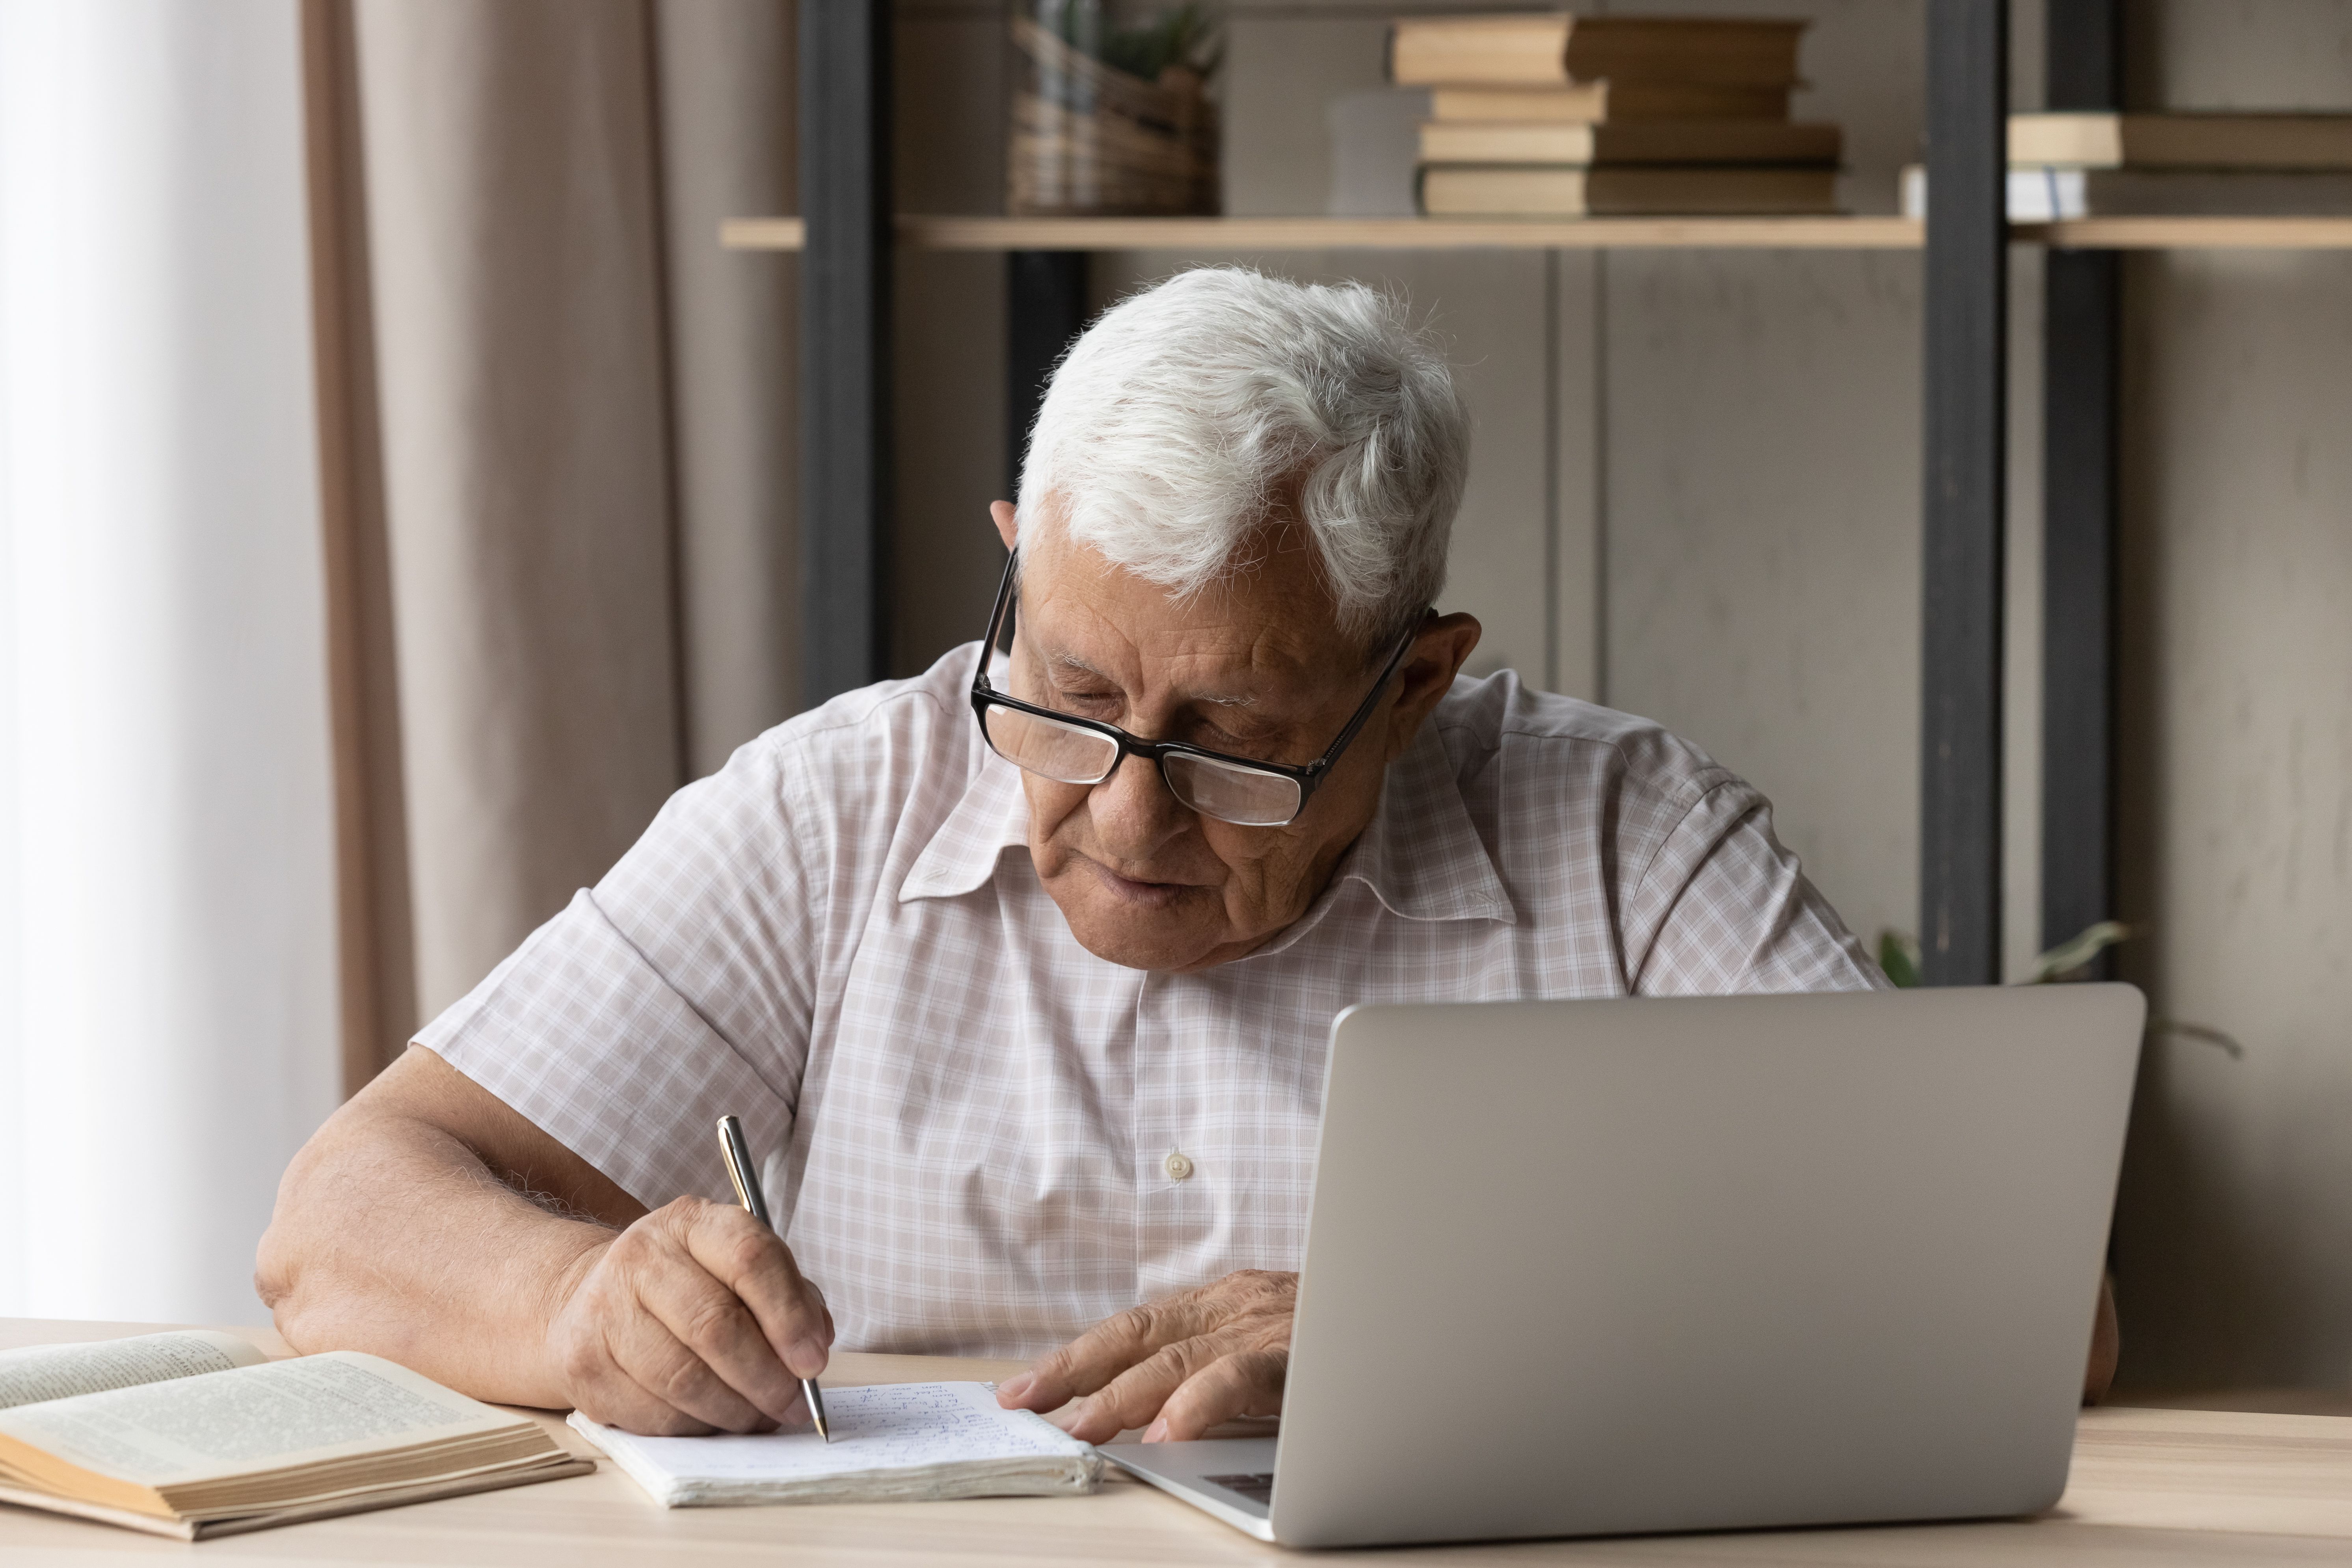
(1087, 138)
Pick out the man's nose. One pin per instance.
(1134, 813)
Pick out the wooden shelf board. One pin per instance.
(2191, 233)
(763, 234)
(929, 232)
(1401, 234)
(932, 232)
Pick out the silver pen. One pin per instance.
(740, 1171)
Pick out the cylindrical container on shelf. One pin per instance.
(1109, 110)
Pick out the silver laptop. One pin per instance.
(1606, 1267)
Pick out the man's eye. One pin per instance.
(1217, 738)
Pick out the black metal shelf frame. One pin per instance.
(844, 67)
(1966, 302)
(846, 348)
(2081, 392)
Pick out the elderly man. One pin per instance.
(1020, 973)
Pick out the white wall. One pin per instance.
(2235, 1238)
(167, 1017)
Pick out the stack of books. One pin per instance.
(1552, 115)
(2074, 166)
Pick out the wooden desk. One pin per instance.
(2178, 1488)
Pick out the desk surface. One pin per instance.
(2176, 1488)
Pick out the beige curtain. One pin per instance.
(560, 418)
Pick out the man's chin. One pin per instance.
(1136, 936)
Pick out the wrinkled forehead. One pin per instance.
(1267, 623)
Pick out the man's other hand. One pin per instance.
(1175, 1368)
(693, 1319)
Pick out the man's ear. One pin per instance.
(1008, 522)
(1438, 654)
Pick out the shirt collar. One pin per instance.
(1420, 854)
(992, 818)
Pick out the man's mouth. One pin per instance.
(1136, 891)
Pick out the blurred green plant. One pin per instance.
(1185, 37)
(2069, 960)
(2072, 959)
(1899, 956)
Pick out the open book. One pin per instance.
(197, 1434)
(907, 1442)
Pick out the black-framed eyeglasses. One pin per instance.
(1083, 751)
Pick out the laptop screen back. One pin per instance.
(1609, 1266)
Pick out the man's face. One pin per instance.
(1253, 667)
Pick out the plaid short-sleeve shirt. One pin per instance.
(967, 1122)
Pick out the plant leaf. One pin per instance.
(2204, 1033)
(1899, 955)
(2077, 951)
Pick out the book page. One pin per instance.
(891, 1426)
(36, 1373)
(249, 1419)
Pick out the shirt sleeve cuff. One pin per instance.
(581, 1036)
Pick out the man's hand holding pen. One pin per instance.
(693, 1319)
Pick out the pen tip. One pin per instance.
(822, 1432)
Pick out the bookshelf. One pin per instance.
(849, 234)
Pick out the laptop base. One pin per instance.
(1228, 1477)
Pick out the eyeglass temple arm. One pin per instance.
(1371, 701)
(996, 621)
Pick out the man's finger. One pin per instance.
(614, 1397)
(1134, 1398)
(643, 1348)
(712, 1327)
(1105, 1351)
(1247, 1383)
(753, 1263)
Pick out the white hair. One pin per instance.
(1172, 425)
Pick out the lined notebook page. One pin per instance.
(937, 1440)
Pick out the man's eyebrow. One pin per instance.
(1063, 658)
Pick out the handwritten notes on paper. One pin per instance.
(894, 1441)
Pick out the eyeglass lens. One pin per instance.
(1064, 752)
(1070, 754)
(1241, 795)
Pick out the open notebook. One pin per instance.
(197, 1434)
(908, 1442)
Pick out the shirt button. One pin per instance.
(1179, 1166)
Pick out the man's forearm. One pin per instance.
(391, 1236)
(396, 1232)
